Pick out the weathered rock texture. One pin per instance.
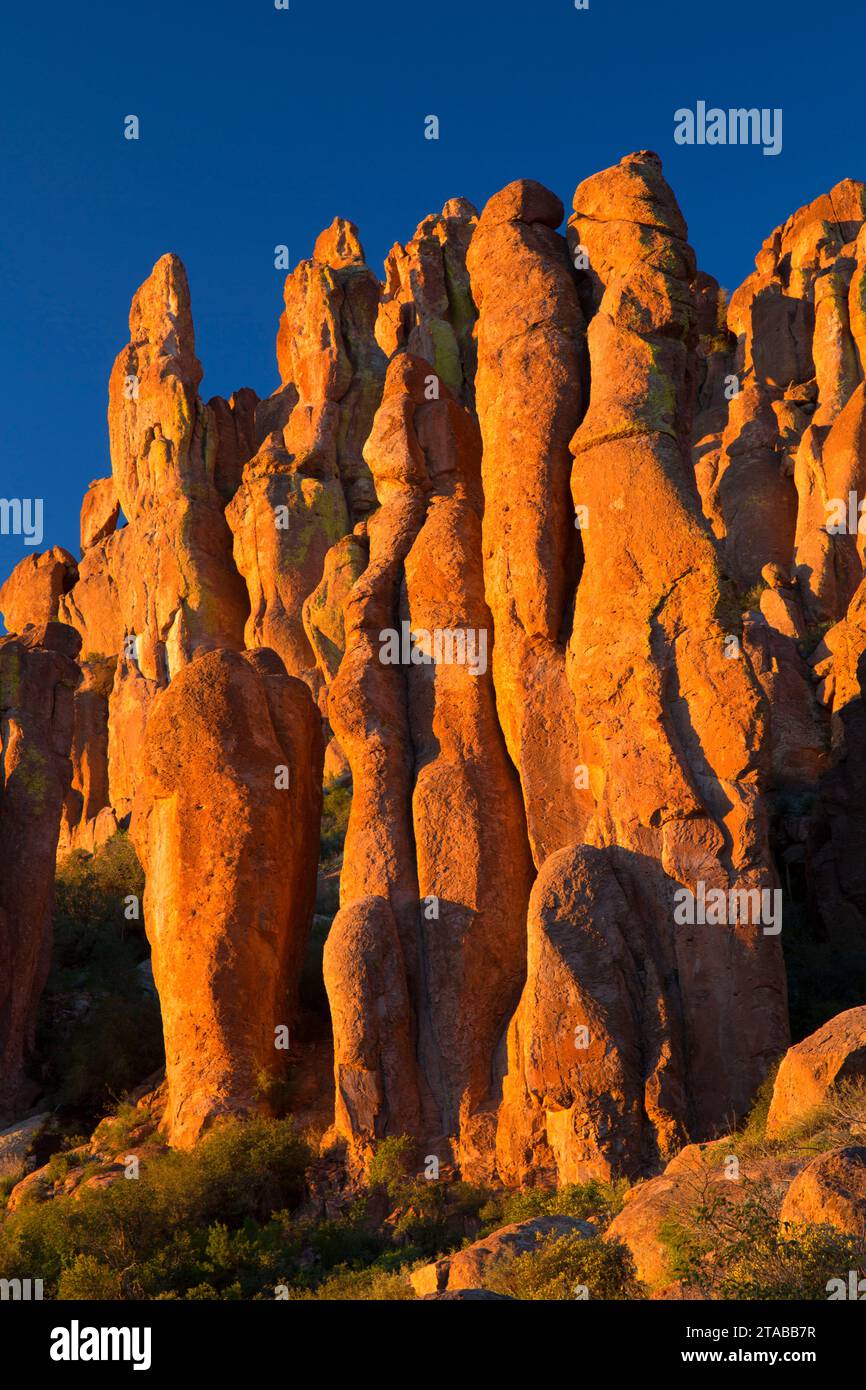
(308, 483)
(836, 1053)
(87, 800)
(597, 1082)
(783, 402)
(427, 305)
(436, 850)
(32, 593)
(163, 586)
(38, 676)
(830, 1191)
(166, 578)
(669, 723)
(226, 826)
(542, 525)
(530, 394)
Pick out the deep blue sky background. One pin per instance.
(259, 125)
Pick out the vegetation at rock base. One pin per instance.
(739, 1250)
(568, 1267)
(98, 1032)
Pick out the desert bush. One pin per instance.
(563, 1267)
(99, 1032)
(728, 1249)
(593, 1201)
(392, 1164)
(846, 1108)
(336, 806)
(217, 1215)
(374, 1284)
(752, 597)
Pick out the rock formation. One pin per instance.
(830, 1191)
(596, 1083)
(436, 847)
(536, 537)
(226, 826)
(38, 676)
(427, 303)
(834, 1054)
(768, 451)
(669, 712)
(530, 394)
(308, 483)
(34, 589)
(670, 724)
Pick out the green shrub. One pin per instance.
(753, 1130)
(87, 1279)
(726, 1249)
(216, 1215)
(392, 1164)
(752, 597)
(562, 1267)
(99, 1032)
(593, 1201)
(374, 1284)
(336, 806)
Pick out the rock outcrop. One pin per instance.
(670, 716)
(836, 1053)
(427, 306)
(830, 1191)
(31, 595)
(667, 726)
(530, 393)
(780, 408)
(535, 538)
(308, 483)
(38, 676)
(226, 826)
(469, 1268)
(436, 841)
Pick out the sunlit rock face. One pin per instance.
(436, 866)
(226, 823)
(551, 549)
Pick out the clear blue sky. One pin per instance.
(259, 125)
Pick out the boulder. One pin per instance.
(16, 1143)
(34, 589)
(830, 1191)
(467, 1269)
(698, 1174)
(835, 1053)
(100, 511)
